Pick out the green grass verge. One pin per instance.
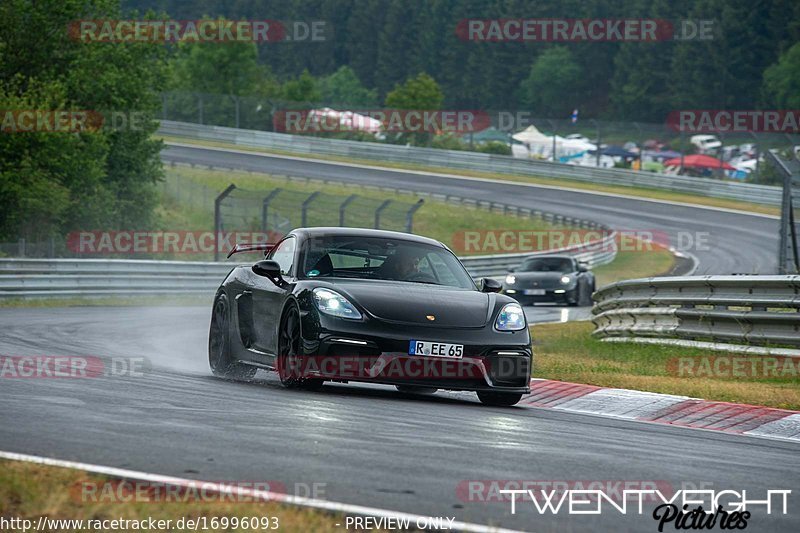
(567, 352)
(642, 192)
(29, 491)
(633, 264)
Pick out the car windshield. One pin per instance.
(547, 264)
(385, 259)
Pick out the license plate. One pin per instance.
(534, 292)
(436, 349)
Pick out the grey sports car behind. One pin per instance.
(553, 278)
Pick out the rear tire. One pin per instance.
(499, 399)
(220, 359)
(413, 389)
(289, 361)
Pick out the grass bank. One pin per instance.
(567, 352)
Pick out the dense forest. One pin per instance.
(403, 54)
(388, 41)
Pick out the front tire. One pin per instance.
(585, 294)
(499, 399)
(220, 359)
(290, 344)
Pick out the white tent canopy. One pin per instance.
(540, 146)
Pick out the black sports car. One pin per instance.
(552, 278)
(341, 304)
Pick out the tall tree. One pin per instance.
(553, 83)
(344, 87)
(57, 181)
(781, 87)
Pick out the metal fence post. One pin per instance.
(788, 253)
(343, 206)
(265, 207)
(410, 214)
(218, 218)
(236, 102)
(199, 108)
(21, 247)
(304, 211)
(378, 212)
(641, 145)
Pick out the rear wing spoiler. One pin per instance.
(251, 247)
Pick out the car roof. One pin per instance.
(364, 232)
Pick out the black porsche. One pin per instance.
(551, 278)
(342, 304)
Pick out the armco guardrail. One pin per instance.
(315, 146)
(65, 278)
(761, 311)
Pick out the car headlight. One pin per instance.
(565, 279)
(511, 279)
(511, 318)
(334, 304)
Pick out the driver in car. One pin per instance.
(403, 265)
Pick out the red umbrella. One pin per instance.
(698, 161)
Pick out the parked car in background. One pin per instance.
(705, 143)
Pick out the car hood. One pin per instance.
(411, 303)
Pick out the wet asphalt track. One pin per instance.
(370, 445)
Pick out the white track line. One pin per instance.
(223, 488)
(472, 178)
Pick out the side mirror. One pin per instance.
(582, 267)
(490, 285)
(268, 269)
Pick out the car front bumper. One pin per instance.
(558, 295)
(377, 352)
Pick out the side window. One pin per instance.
(284, 255)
